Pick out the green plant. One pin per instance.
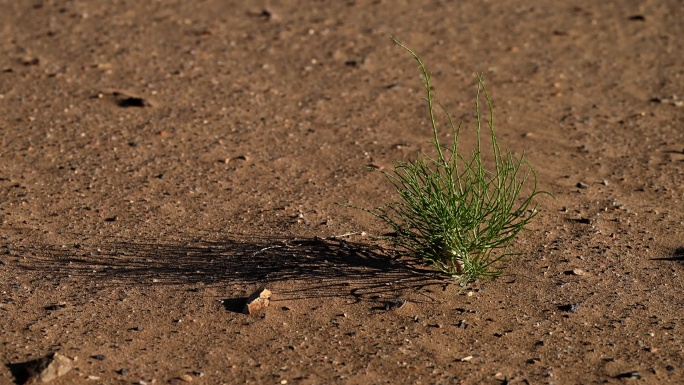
(451, 211)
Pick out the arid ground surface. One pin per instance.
(161, 160)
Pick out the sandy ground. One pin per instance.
(161, 160)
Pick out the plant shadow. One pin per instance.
(320, 267)
(677, 256)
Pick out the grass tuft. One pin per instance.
(451, 211)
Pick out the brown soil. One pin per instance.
(160, 161)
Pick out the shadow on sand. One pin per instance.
(677, 256)
(322, 267)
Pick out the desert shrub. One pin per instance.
(453, 212)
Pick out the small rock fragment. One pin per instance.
(634, 375)
(46, 369)
(572, 307)
(398, 304)
(257, 301)
(575, 271)
(582, 185)
(186, 377)
(57, 306)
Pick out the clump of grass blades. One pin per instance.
(451, 211)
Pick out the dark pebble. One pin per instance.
(582, 185)
(630, 375)
(132, 102)
(122, 371)
(395, 304)
(55, 307)
(572, 307)
(99, 357)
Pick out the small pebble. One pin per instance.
(582, 185)
(395, 304)
(99, 357)
(572, 307)
(629, 375)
